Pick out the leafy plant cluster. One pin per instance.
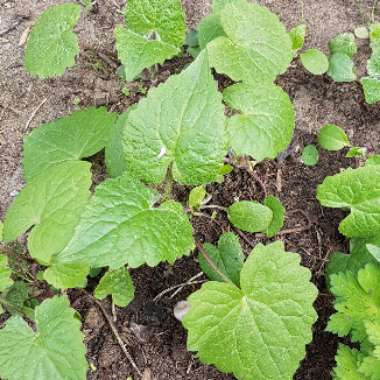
(254, 317)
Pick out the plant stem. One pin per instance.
(211, 263)
(213, 207)
(168, 185)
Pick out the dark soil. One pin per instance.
(154, 337)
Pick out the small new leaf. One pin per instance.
(297, 36)
(52, 46)
(54, 351)
(315, 61)
(154, 32)
(79, 135)
(259, 331)
(250, 216)
(179, 125)
(358, 190)
(257, 47)
(278, 211)
(227, 257)
(264, 127)
(117, 283)
(120, 225)
(341, 68)
(356, 151)
(371, 89)
(331, 137)
(344, 44)
(310, 155)
(196, 197)
(51, 204)
(347, 364)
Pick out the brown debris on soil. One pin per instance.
(155, 339)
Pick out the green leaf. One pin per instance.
(356, 151)
(197, 196)
(373, 159)
(361, 32)
(359, 257)
(278, 211)
(332, 137)
(356, 302)
(341, 68)
(358, 190)
(52, 46)
(259, 331)
(297, 36)
(5, 273)
(370, 365)
(209, 29)
(344, 44)
(79, 135)
(374, 249)
(228, 257)
(371, 88)
(250, 216)
(155, 31)
(373, 64)
(117, 283)
(54, 351)
(179, 124)
(1, 231)
(347, 361)
(66, 276)
(310, 155)
(114, 155)
(265, 126)
(120, 225)
(218, 5)
(51, 204)
(315, 61)
(257, 47)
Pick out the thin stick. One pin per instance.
(34, 113)
(211, 263)
(242, 235)
(190, 281)
(117, 336)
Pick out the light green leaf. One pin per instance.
(52, 46)
(259, 331)
(347, 364)
(297, 36)
(315, 61)
(54, 351)
(228, 257)
(361, 32)
(278, 211)
(310, 155)
(155, 31)
(371, 89)
(370, 365)
(344, 44)
(218, 5)
(250, 216)
(373, 64)
(356, 302)
(179, 124)
(196, 196)
(332, 137)
(51, 204)
(1, 231)
(265, 126)
(373, 159)
(79, 135)
(257, 49)
(358, 190)
(114, 155)
(5, 273)
(121, 226)
(373, 248)
(117, 283)
(209, 29)
(66, 276)
(356, 151)
(341, 68)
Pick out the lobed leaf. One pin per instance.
(117, 283)
(257, 47)
(179, 125)
(54, 351)
(347, 361)
(71, 138)
(265, 125)
(358, 190)
(227, 257)
(120, 225)
(51, 204)
(52, 46)
(259, 331)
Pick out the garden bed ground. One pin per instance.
(155, 338)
